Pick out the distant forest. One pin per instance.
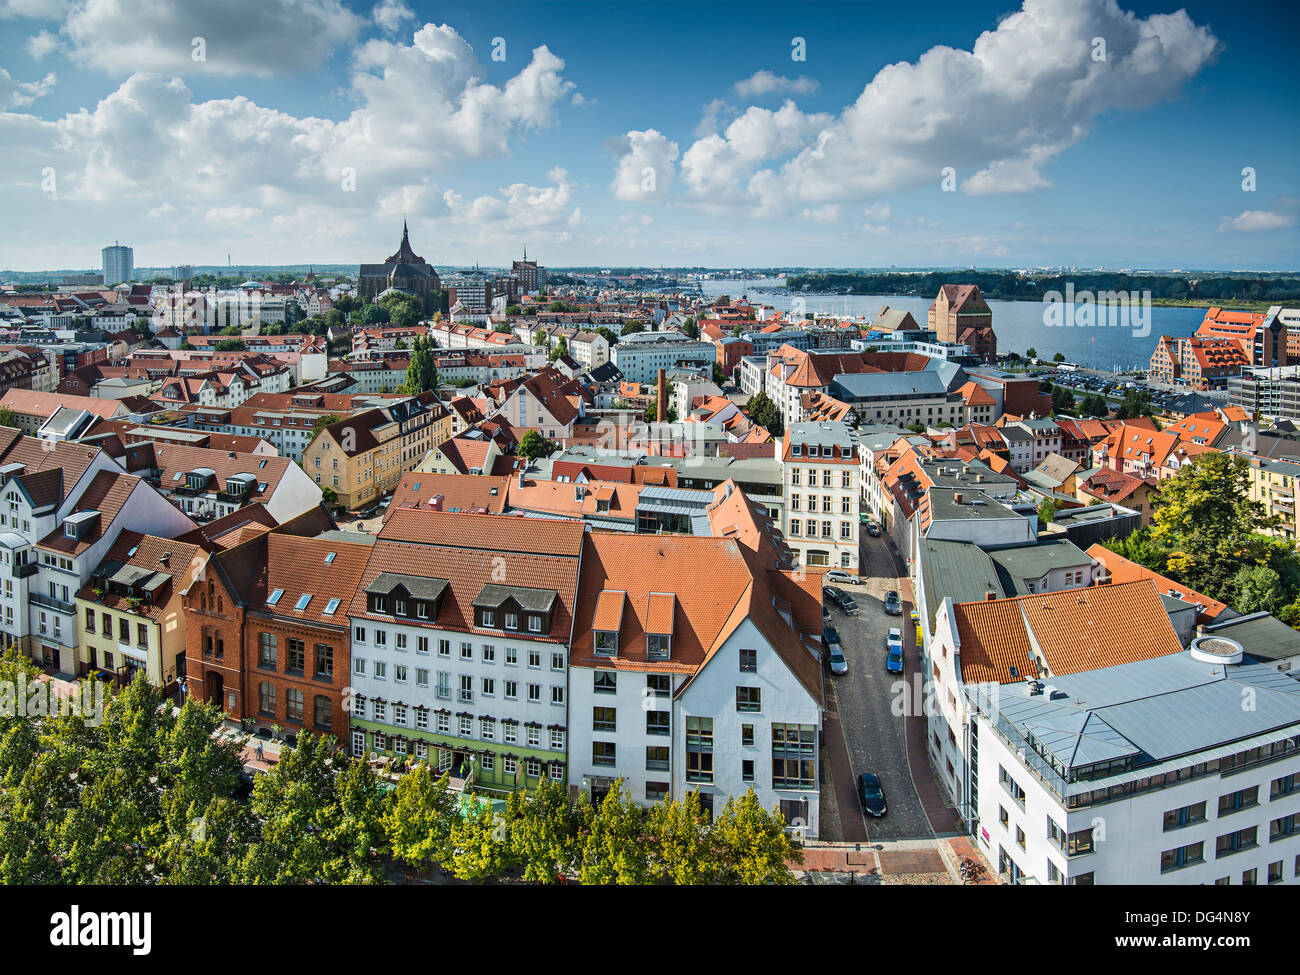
(1280, 289)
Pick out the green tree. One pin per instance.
(478, 844)
(232, 345)
(544, 831)
(1058, 357)
(421, 370)
(418, 817)
(1031, 353)
(7, 417)
(1136, 403)
(614, 851)
(533, 445)
(678, 842)
(320, 818)
(652, 411)
(1047, 510)
(631, 328)
(1095, 406)
(763, 410)
(1256, 589)
(755, 848)
(322, 422)
(690, 328)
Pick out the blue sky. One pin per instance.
(664, 133)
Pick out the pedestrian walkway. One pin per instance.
(921, 862)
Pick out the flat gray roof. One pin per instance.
(1155, 710)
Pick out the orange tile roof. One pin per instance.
(608, 615)
(1071, 631)
(466, 492)
(540, 536)
(1124, 570)
(659, 612)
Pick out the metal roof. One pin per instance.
(1164, 711)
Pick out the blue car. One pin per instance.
(894, 659)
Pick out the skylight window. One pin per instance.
(275, 597)
(332, 605)
(330, 558)
(132, 551)
(303, 600)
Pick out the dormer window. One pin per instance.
(534, 624)
(512, 621)
(69, 530)
(796, 450)
(489, 618)
(657, 646)
(606, 643)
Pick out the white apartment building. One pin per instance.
(460, 639)
(641, 355)
(820, 478)
(62, 506)
(672, 697)
(1149, 772)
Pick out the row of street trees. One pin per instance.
(149, 796)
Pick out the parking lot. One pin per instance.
(875, 737)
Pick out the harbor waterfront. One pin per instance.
(1019, 324)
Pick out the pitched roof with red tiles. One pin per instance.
(323, 569)
(457, 492)
(470, 552)
(1124, 570)
(106, 493)
(1068, 631)
(178, 560)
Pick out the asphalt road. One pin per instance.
(875, 736)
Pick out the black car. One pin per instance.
(836, 596)
(871, 795)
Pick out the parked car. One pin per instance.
(893, 605)
(847, 605)
(826, 615)
(894, 659)
(873, 529)
(895, 635)
(833, 594)
(839, 575)
(871, 795)
(834, 651)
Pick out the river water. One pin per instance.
(1019, 325)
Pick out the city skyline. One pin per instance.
(291, 133)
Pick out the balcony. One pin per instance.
(24, 570)
(49, 602)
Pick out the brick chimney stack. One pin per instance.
(661, 391)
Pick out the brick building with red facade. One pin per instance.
(267, 633)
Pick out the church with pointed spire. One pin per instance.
(402, 271)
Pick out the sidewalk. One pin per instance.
(891, 862)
